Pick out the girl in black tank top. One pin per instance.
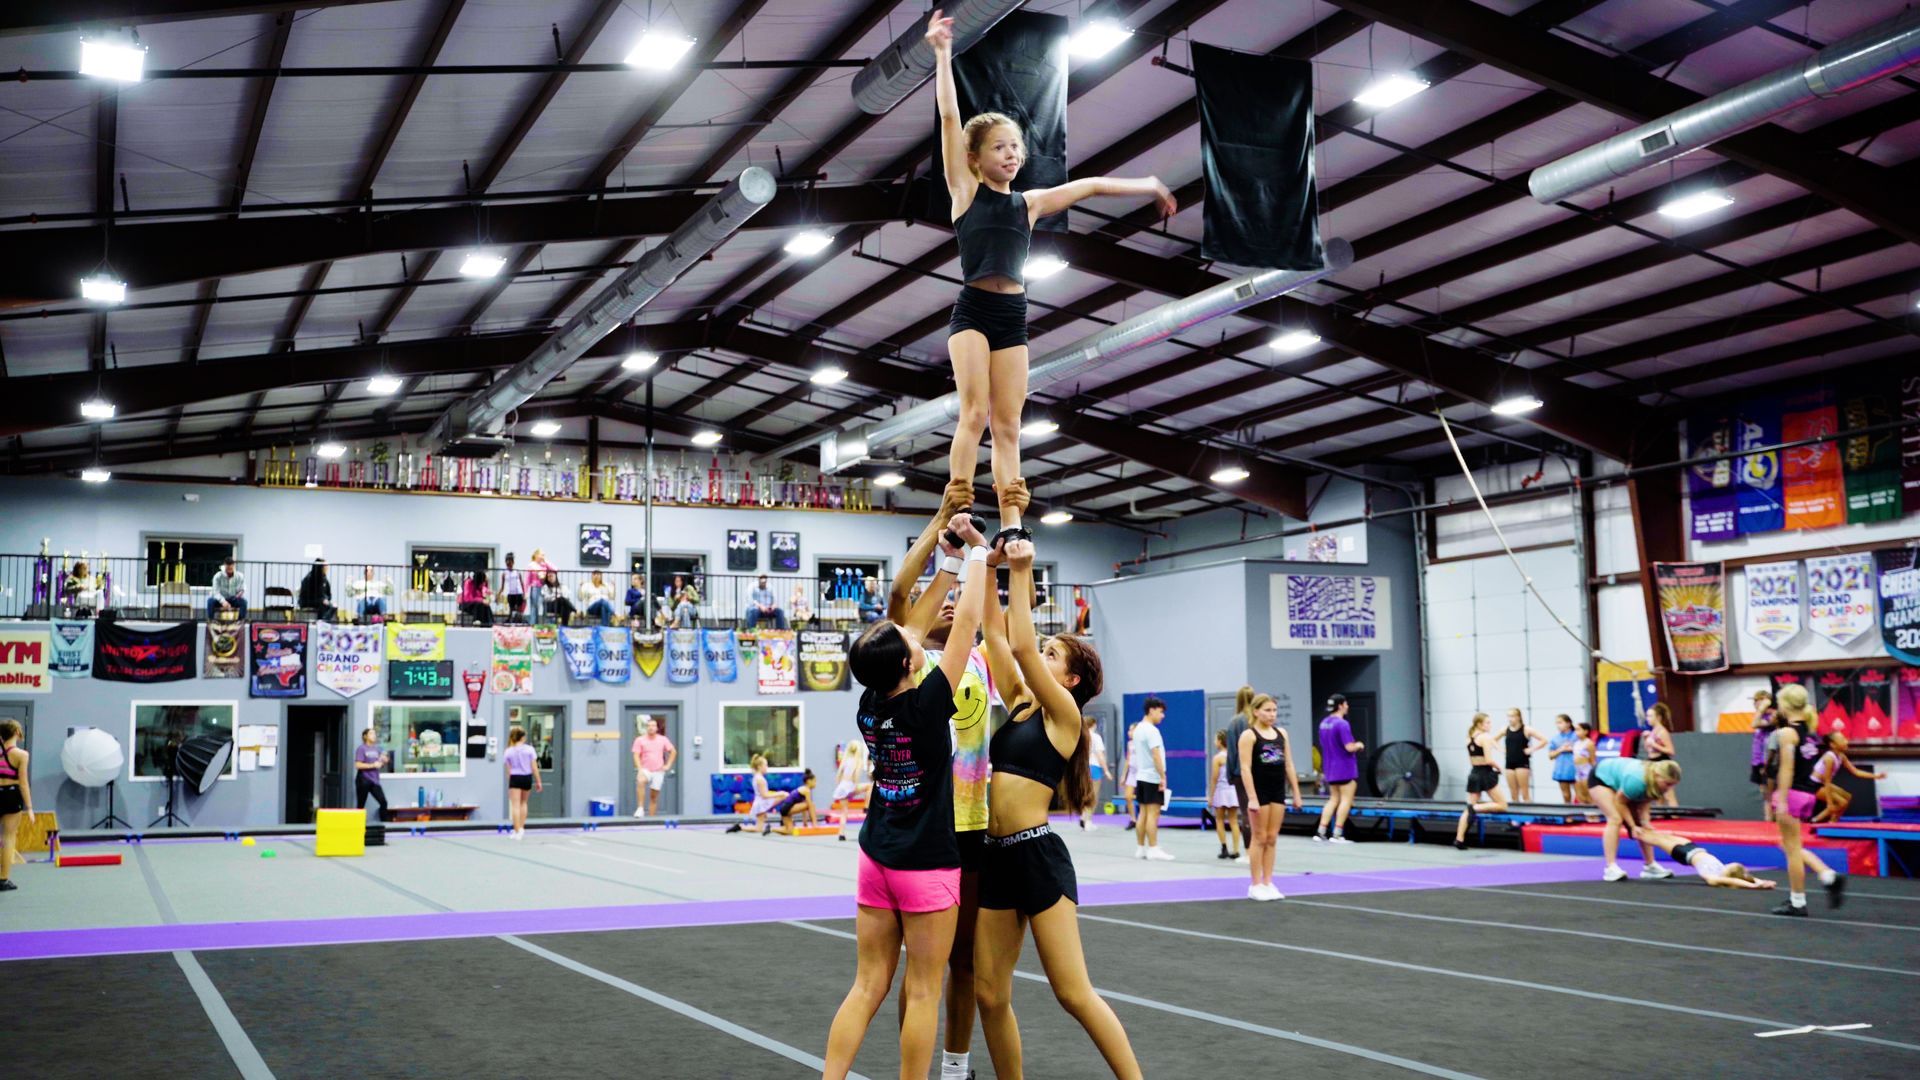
(1483, 779)
(987, 338)
(1793, 768)
(1520, 743)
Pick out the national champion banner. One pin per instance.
(278, 660)
(1331, 612)
(823, 660)
(347, 659)
(123, 654)
(226, 650)
(511, 667)
(775, 649)
(683, 656)
(72, 641)
(1693, 614)
(1840, 596)
(1772, 611)
(1899, 573)
(613, 655)
(409, 641)
(24, 658)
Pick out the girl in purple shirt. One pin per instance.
(1339, 767)
(523, 777)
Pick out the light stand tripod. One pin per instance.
(171, 771)
(112, 819)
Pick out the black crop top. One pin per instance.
(1022, 748)
(994, 236)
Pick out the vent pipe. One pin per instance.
(485, 409)
(1883, 50)
(843, 449)
(902, 66)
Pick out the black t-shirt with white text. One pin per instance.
(909, 822)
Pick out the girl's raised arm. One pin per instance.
(953, 139)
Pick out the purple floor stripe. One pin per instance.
(264, 934)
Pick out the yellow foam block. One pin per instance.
(340, 832)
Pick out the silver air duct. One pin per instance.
(1872, 54)
(1147, 328)
(648, 277)
(902, 66)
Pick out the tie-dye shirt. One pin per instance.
(971, 702)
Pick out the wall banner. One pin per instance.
(24, 657)
(1758, 489)
(407, 641)
(1773, 602)
(1693, 613)
(1899, 573)
(348, 659)
(1712, 498)
(683, 656)
(1815, 491)
(1840, 596)
(648, 651)
(577, 644)
(123, 654)
(1328, 612)
(613, 654)
(511, 672)
(279, 660)
(723, 662)
(777, 674)
(225, 654)
(823, 660)
(72, 648)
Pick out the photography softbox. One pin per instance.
(202, 760)
(1256, 154)
(1019, 68)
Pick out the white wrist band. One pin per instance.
(977, 554)
(950, 564)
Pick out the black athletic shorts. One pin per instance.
(1148, 794)
(1002, 317)
(1482, 778)
(521, 783)
(1027, 872)
(973, 847)
(1271, 791)
(11, 801)
(1759, 775)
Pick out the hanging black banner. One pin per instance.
(123, 654)
(1256, 153)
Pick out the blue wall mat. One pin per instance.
(1620, 712)
(1189, 743)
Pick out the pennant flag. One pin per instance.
(24, 655)
(511, 670)
(1870, 463)
(1773, 602)
(1711, 494)
(1899, 573)
(1693, 613)
(1815, 493)
(1840, 596)
(123, 654)
(823, 660)
(776, 664)
(683, 656)
(1758, 489)
(347, 659)
(577, 643)
(723, 664)
(648, 651)
(1256, 156)
(226, 651)
(72, 648)
(613, 654)
(546, 642)
(279, 660)
(476, 681)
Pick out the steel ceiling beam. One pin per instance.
(47, 16)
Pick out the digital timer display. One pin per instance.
(420, 678)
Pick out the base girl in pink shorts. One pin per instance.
(909, 880)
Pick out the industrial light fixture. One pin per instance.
(1097, 39)
(889, 479)
(481, 264)
(1295, 340)
(706, 438)
(1056, 517)
(545, 429)
(1390, 90)
(1039, 426)
(658, 50)
(96, 409)
(95, 475)
(639, 360)
(103, 289)
(1516, 404)
(1043, 266)
(113, 59)
(809, 242)
(1692, 206)
(1229, 474)
(331, 451)
(828, 375)
(382, 385)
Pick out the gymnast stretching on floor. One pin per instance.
(1710, 870)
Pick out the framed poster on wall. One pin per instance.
(1329, 612)
(743, 550)
(783, 552)
(596, 545)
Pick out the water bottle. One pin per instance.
(420, 796)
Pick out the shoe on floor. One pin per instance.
(1223, 854)
(1092, 825)
(1319, 839)
(1275, 894)
(1240, 858)
(7, 886)
(1339, 840)
(1837, 891)
(1654, 872)
(1157, 855)
(1788, 909)
(735, 827)
(1255, 892)
(1129, 825)
(1614, 873)
(640, 813)
(1460, 845)
(1139, 852)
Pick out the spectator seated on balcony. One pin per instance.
(596, 599)
(761, 607)
(802, 609)
(871, 601)
(636, 601)
(476, 599)
(557, 608)
(680, 606)
(316, 592)
(228, 598)
(370, 595)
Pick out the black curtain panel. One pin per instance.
(1019, 68)
(1256, 148)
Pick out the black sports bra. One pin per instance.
(1022, 748)
(1475, 750)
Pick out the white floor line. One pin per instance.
(1819, 921)
(1743, 953)
(1224, 1021)
(718, 1023)
(1592, 995)
(618, 859)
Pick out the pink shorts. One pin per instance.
(912, 891)
(1800, 804)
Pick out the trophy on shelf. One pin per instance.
(422, 578)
